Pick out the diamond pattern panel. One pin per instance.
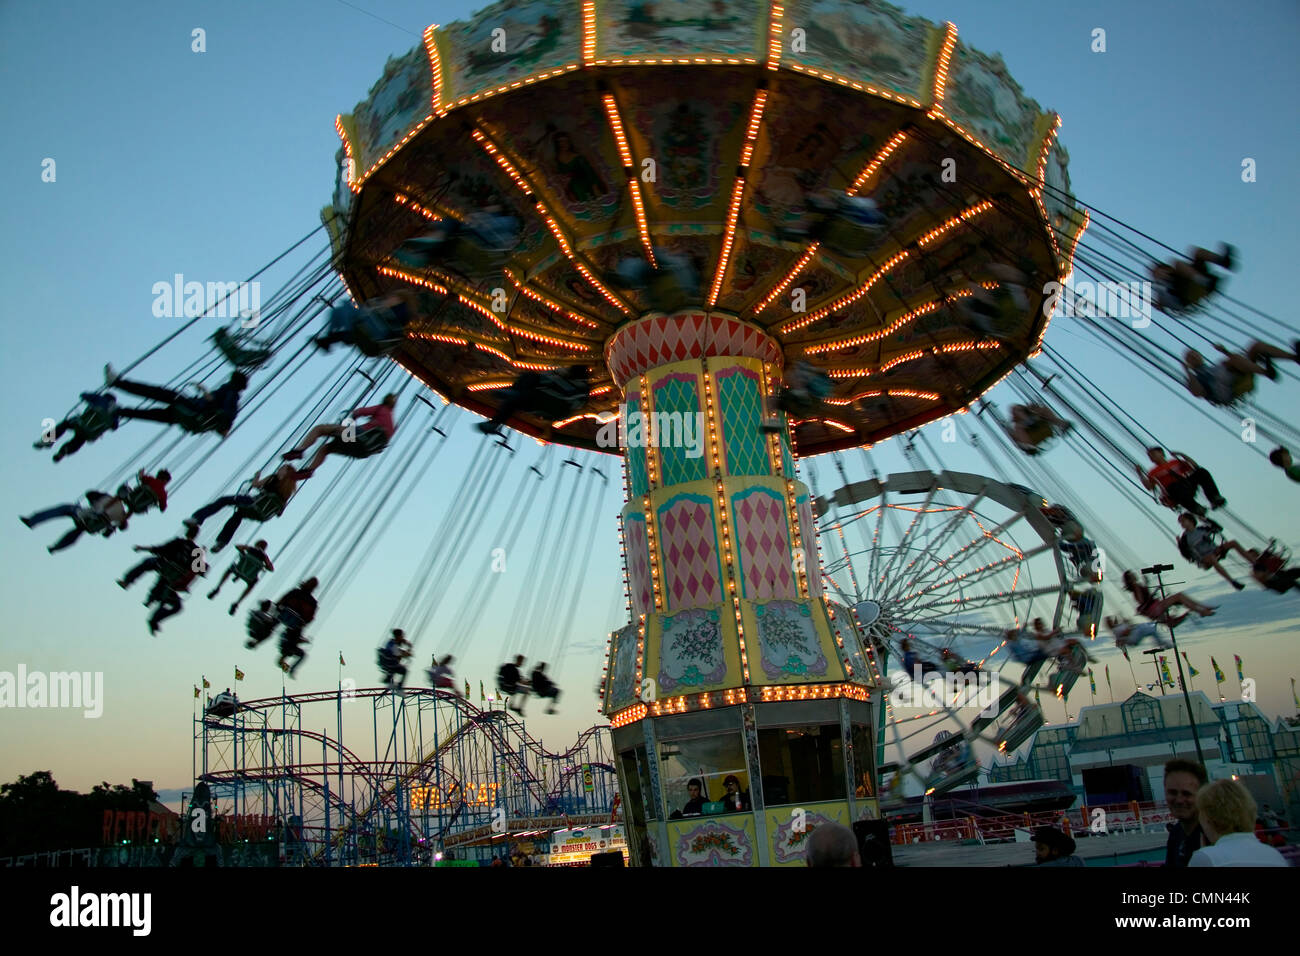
(741, 399)
(680, 428)
(638, 476)
(689, 546)
(638, 564)
(808, 533)
(649, 343)
(762, 538)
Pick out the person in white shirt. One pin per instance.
(1227, 813)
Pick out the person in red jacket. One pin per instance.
(1178, 479)
(370, 439)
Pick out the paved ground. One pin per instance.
(1095, 851)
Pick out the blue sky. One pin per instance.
(211, 164)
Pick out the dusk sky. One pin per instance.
(211, 164)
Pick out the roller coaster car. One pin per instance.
(1020, 730)
(223, 705)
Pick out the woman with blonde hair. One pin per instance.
(1227, 813)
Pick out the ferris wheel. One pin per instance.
(937, 569)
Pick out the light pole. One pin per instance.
(1158, 570)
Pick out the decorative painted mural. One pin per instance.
(983, 98)
(401, 98)
(506, 42)
(691, 654)
(789, 832)
(675, 28)
(788, 643)
(714, 843)
(872, 42)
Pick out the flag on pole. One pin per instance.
(1294, 698)
(482, 695)
(239, 675)
(1218, 674)
(467, 690)
(1190, 669)
(1240, 675)
(206, 685)
(196, 691)
(1092, 680)
(342, 662)
(1108, 675)
(1036, 700)
(1164, 671)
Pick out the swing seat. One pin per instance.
(265, 506)
(94, 420)
(1021, 729)
(240, 356)
(196, 421)
(248, 570)
(173, 574)
(260, 626)
(90, 521)
(369, 441)
(140, 499)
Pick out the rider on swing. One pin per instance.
(105, 515)
(273, 493)
(248, 567)
(391, 655)
(552, 395)
(372, 438)
(100, 415)
(210, 412)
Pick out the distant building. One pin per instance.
(1115, 753)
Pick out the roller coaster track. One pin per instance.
(387, 777)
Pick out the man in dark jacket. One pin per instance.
(214, 412)
(1183, 778)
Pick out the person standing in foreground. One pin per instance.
(1227, 815)
(1183, 780)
